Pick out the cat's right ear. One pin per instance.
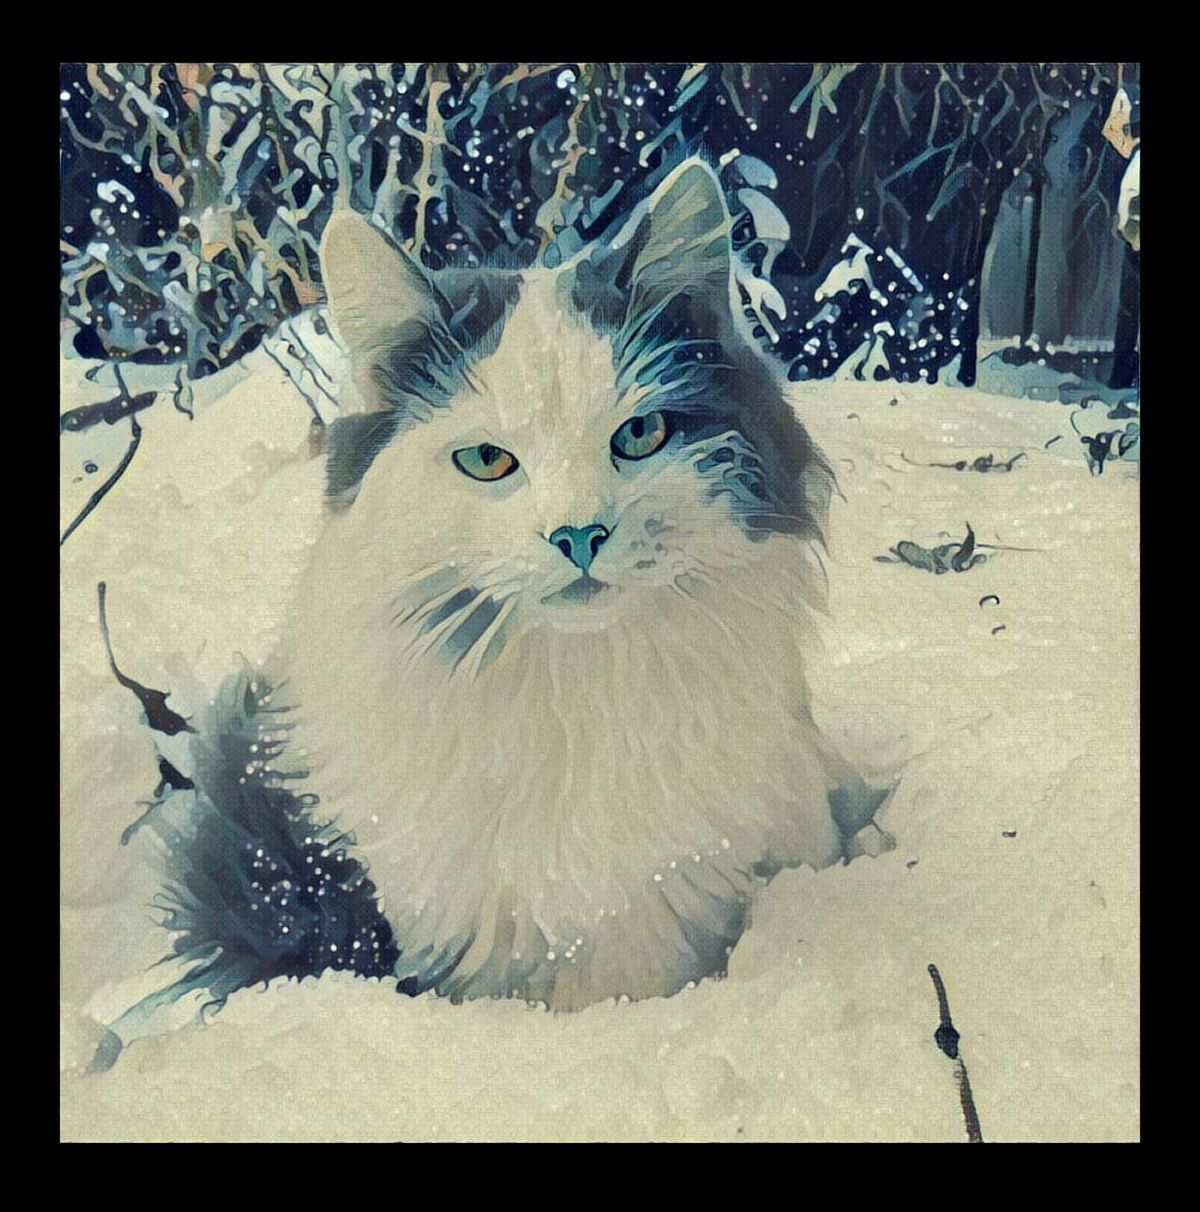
(379, 297)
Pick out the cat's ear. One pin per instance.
(683, 243)
(380, 299)
(675, 253)
(372, 286)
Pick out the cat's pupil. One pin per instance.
(636, 426)
(488, 454)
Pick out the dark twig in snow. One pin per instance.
(310, 359)
(127, 458)
(184, 397)
(76, 420)
(946, 1037)
(295, 382)
(948, 557)
(159, 716)
(100, 492)
(984, 463)
(309, 362)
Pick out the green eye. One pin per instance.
(485, 462)
(640, 436)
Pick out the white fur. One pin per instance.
(569, 812)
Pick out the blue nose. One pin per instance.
(580, 543)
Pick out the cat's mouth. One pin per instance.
(580, 590)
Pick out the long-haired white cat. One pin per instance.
(544, 674)
(548, 656)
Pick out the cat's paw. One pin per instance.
(85, 1046)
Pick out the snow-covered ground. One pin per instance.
(1016, 816)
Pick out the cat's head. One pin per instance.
(554, 447)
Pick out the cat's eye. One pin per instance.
(640, 436)
(485, 462)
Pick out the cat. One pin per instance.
(545, 668)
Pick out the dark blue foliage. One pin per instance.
(194, 195)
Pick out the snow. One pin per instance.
(1128, 212)
(852, 270)
(823, 1030)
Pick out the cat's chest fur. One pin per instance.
(589, 817)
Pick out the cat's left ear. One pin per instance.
(676, 254)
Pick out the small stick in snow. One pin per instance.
(184, 397)
(986, 462)
(159, 716)
(946, 1038)
(76, 420)
(294, 380)
(127, 458)
(102, 491)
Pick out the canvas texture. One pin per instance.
(572, 664)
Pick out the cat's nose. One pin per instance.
(579, 543)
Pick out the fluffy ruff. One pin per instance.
(591, 815)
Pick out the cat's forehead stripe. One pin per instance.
(548, 358)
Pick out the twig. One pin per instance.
(293, 379)
(102, 491)
(159, 716)
(946, 1038)
(109, 411)
(433, 145)
(983, 463)
(552, 213)
(183, 397)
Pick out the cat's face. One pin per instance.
(577, 446)
(549, 488)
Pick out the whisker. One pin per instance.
(483, 641)
(433, 630)
(430, 573)
(423, 609)
(477, 582)
(437, 632)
